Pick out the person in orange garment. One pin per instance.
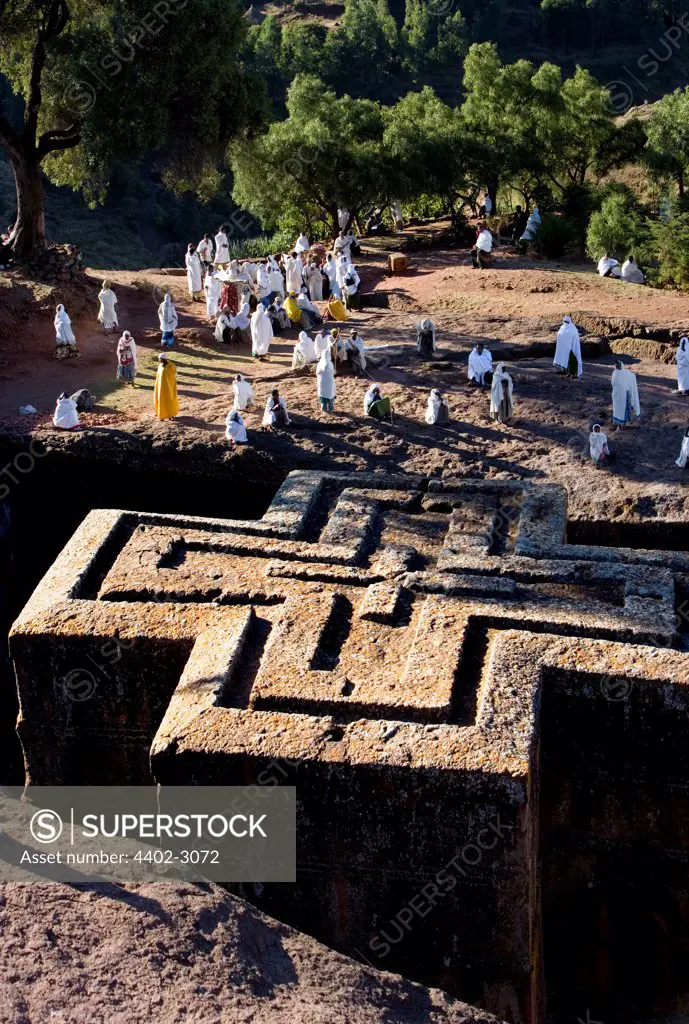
(165, 398)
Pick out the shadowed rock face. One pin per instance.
(169, 953)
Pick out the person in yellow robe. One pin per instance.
(292, 309)
(165, 398)
(336, 309)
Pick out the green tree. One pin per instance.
(302, 47)
(362, 53)
(327, 153)
(671, 247)
(112, 79)
(668, 138)
(265, 54)
(618, 228)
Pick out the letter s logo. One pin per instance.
(46, 826)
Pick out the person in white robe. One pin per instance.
(325, 381)
(684, 451)
(293, 274)
(608, 267)
(356, 352)
(302, 244)
(277, 281)
(343, 245)
(194, 272)
(330, 271)
(222, 248)
(631, 272)
(501, 392)
(425, 338)
(437, 409)
(251, 270)
(314, 280)
(304, 352)
(323, 340)
(480, 364)
(106, 314)
(235, 431)
(376, 404)
(682, 358)
(243, 393)
(213, 289)
(65, 342)
(598, 445)
(205, 251)
(396, 214)
(350, 286)
(224, 326)
(242, 322)
(342, 217)
(625, 396)
(568, 350)
(309, 313)
(265, 292)
(275, 415)
(532, 225)
(126, 359)
(261, 332)
(66, 416)
(482, 251)
(341, 264)
(168, 320)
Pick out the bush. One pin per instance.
(553, 235)
(262, 245)
(671, 248)
(618, 228)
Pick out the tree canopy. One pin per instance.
(114, 79)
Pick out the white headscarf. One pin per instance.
(63, 326)
(304, 351)
(370, 397)
(242, 317)
(568, 341)
(234, 427)
(682, 358)
(496, 390)
(127, 340)
(597, 442)
(325, 376)
(261, 331)
(435, 402)
(167, 314)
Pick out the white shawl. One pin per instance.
(261, 331)
(325, 376)
(682, 358)
(568, 341)
(624, 383)
(479, 363)
(63, 327)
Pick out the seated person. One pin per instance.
(480, 366)
(275, 415)
(631, 272)
(310, 316)
(338, 348)
(608, 267)
(225, 327)
(304, 352)
(235, 431)
(336, 310)
(66, 416)
(292, 309)
(437, 410)
(482, 252)
(375, 404)
(278, 315)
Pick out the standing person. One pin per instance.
(293, 273)
(205, 251)
(277, 281)
(533, 223)
(65, 342)
(480, 365)
(66, 416)
(330, 271)
(343, 246)
(682, 358)
(325, 381)
(482, 252)
(351, 285)
(302, 244)
(243, 393)
(106, 314)
(625, 396)
(518, 223)
(235, 431)
(194, 273)
(501, 389)
(425, 339)
(213, 289)
(322, 341)
(314, 280)
(222, 248)
(356, 352)
(437, 410)
(275, 415)
(126, 359)
(487, 205)
(165, 400)
(684, 451)
(265, 291)
(598, 445)
(168, 320)
(261, 333)
(568, 350)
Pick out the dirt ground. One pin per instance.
(517, 302)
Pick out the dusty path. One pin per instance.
(518, 302)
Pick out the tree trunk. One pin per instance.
(30, 226)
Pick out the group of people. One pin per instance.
(608, 266)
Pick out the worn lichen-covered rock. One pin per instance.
(402, 651)
(171, 953)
